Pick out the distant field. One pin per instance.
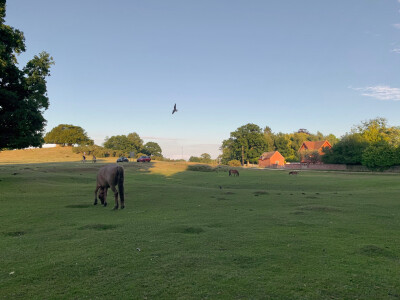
(57, 154)
(195, 235)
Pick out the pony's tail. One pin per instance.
(121, 184)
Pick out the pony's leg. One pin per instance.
(95, 195)
(115, 196)
(105, 196)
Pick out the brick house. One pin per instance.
(314, 146)
(269, 159)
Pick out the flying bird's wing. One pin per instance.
(175, 110)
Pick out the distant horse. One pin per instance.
(233, 173)
(110, 176)
(293, 173)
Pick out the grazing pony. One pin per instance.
(293, 173)
(233, 173)
(110, 176)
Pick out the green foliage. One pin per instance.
(348, 150)
(287, 144)
(380, 156)
(136, 142)
(66, 134)
(23, 93)
(269, 139)
(372, 143)
(312, 157)
(95, 150)
(208, 168)
(152, 149)
(283, 145)
(200, 168)
(234, 163)
(124, 144)
(248, 139)
(204, 158)
(377, 130)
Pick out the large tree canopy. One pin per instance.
(152, 148)
(23, 93)
(247, 139)
(68, 135)
(126, 143)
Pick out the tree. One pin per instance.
(311, 156)
(119, 142)
(65, 134)
(125, 143)
(376, 130)
(269, 139)
(136, 141)
(206, 158)
(380, 156)
(23, 93)
(283, 145)
(348, 150)
(247, 138)
(152, 148)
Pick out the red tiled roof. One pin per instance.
(314, 145)
(267, 155)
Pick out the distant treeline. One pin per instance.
(372, 143)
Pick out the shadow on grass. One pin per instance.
(320, 208)
(15, 233)
(375, 251)
(79, 206)
(190, 230)
(98, 227)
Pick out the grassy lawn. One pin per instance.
(263, 235)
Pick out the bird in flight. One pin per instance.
(175, 110)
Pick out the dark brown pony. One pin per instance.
(293, 173)
(233, 173)
(110, 176)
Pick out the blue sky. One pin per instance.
(121, 65)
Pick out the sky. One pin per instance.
(120, 66)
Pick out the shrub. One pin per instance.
(156, 157)
(379, 156)
(221, 168)
(234, 163)
(200, 168)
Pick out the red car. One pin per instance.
(144, 159)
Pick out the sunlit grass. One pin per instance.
(197, 235)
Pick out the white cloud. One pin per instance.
(396, 50)
(396, 25)
(380, 92)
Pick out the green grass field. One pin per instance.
(264, 235)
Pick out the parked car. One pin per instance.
(122, 159)
(144, 159)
